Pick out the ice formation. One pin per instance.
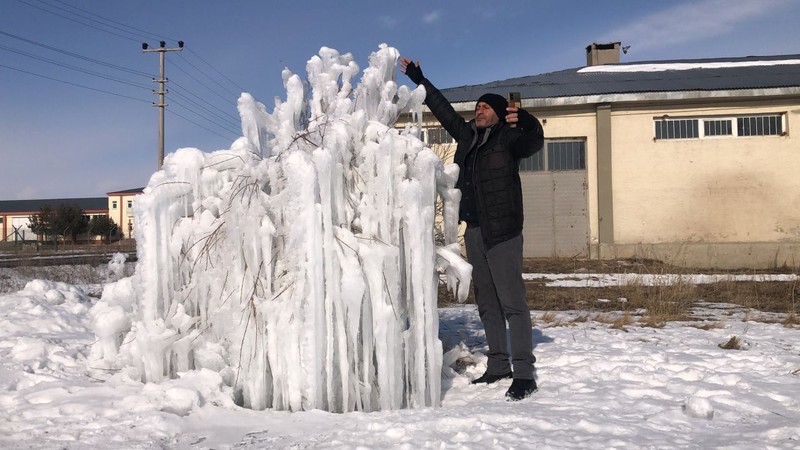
(301, 264)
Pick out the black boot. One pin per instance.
(489, 378)
(520, 389)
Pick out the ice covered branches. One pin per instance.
(300, 264)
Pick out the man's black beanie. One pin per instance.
(498, 104)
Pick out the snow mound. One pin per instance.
(698, 407)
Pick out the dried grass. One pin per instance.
(656, 305)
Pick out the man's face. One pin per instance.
(485, 116)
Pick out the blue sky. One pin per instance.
(61, 137)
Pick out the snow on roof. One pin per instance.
(655, 67)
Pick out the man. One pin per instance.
(489, 150)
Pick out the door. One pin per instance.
(554, 189)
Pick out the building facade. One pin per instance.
(120, 208)
(15, 214)
(693, 162)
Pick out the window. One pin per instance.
(710, 127)
(760, 126)
(557, 155)
(533, 163)
(113, 204)
(717, 128)
(676, 129)
(437, 136)
(566, 155)
(130, 204)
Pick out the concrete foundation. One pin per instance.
(751, 255)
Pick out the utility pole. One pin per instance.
(161, 50)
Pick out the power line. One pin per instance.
(221, 117)
(74, 84)
(151, 35)
(97, 22)
(142, 33)
(84, 14)
(76, 55)
(222, 111)
(234, 94)
(171, 111)
(177, 66)
(77, 69)
(78, 21)
(223, 126)
(241, 89)
(217, 124)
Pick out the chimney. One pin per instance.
(598, 54)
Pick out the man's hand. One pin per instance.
(412, 70)
(512, 117)
(522, 119)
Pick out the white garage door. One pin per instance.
(554, 186)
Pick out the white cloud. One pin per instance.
(388, 21)
(432, 17)
(691, 21)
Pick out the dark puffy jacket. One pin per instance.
(496, 174)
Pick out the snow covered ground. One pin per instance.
(671, 387)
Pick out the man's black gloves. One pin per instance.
(525, 121)
(414, 73)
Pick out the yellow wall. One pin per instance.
(714, 201)
(121, 213)
(716, 189)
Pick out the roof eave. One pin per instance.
(646, 97)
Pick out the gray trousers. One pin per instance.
(500, 295)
